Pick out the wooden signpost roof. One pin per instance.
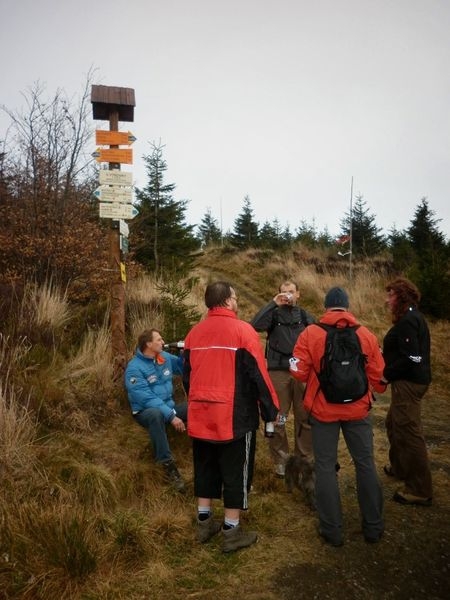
(106, 98)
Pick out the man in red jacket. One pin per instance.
(228, 388)
(327, 419)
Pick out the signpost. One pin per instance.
(115, 177)
(115, 104)
(123, 228)
(114, 193)
(114, 210)
(114, 138)
(114, 155)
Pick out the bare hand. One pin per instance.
(178, 424)
(283, 298)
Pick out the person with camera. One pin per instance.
(283, 320)
(148, 381)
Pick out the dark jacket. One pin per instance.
(226, 378)
(406, 349)
(283, 325)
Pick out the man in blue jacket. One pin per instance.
(148, 381)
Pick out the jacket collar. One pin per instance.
(159, 358)
(221, 311)
(339, 318)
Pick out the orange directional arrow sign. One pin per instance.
(114, 155)
(114, 138)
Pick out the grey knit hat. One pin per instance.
(336, 298)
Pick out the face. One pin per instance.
(155, 346)
(232, 301)
(290, 289)
(391, 299)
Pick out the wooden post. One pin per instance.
(118, 341)
(115, 104)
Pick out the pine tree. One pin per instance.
(430, 268)
(402, 251)
(367, 239)
(160, 238)
(306, 234)
(245, 233)
(272, 236)
(208, 230)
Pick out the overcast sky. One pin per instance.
(284, 101)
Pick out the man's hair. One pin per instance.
(146, 336)
(288, 282)
(407, 294)
(217, 293)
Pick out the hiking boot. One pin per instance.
(236, 538)
(403, 497)
(207, 529)
(173, 476)
(280, 470)
(335, 542)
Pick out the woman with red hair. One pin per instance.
(406, 351)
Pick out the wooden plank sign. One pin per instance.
(114, 155)
(114, 138)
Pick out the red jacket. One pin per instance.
(309, 349)
(226, 378)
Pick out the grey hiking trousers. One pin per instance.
(358, 437)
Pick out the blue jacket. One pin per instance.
(148, 382)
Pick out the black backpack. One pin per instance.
(342, 375)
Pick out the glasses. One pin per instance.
(234, 298)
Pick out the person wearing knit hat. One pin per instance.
(351, 416)
(336, 298)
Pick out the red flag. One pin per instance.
(343, 239)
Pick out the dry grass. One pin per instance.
(18, 432)
(51, 305)
(97, 522)
(92, 364)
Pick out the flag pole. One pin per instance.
(351, 231)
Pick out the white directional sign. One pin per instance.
(114, 193)
(115, 177)
(117, 211)
(124, 229)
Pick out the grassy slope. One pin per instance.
(160, 557)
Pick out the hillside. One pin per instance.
(96, 521)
